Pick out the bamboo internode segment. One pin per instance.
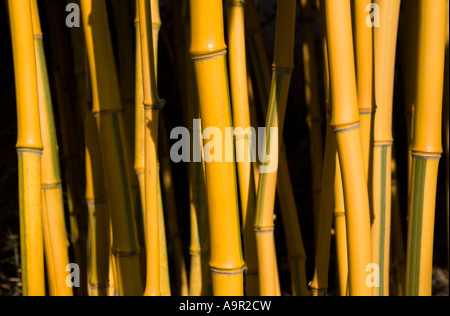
(241, 119)
(426, 147)
(55, 236)
(29, 148)
(385, 43)
(296, 253)
(200, 282)
(363, 41)
(427, 137)
(151, 104)
(345, 121)
(106, 107)
(208, 51)
(283, 65)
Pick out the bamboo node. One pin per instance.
(227, 272)
(210, 56)
(159, 104)
(430, 155)
(30, 150)
(317, 290)
(346, 127)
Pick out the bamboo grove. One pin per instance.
(104, 209)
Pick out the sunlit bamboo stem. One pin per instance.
(209, 53)
(385, 43)
(296, 252)
(54, 226)
(152, 104)
(29, 147)
(200, 282)
(283, 66)
(243, 137)
(426, 147)
(363, 43)
(345, 122)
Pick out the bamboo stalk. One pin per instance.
(152, 105)
(283, 66)
(426, 147)
(296, 252)
(314, 116)
(243, 138)
(106, 109)
(208, 51)
(340, 229)
(55, 236)
(345, 122)
(385, 43)
(29, 148)
(363, 43)
(200, 282)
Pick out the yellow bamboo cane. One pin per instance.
(209, 53)
(243, 136)
(345, 122)
(296, 252)
(29, 148)
(426, 147)
(363, 42)
(200, 282)
(283, 66)
(106, 108)
(314, 116)
(55, 236)
(340, 230)
(385, 43)
(152, 105)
